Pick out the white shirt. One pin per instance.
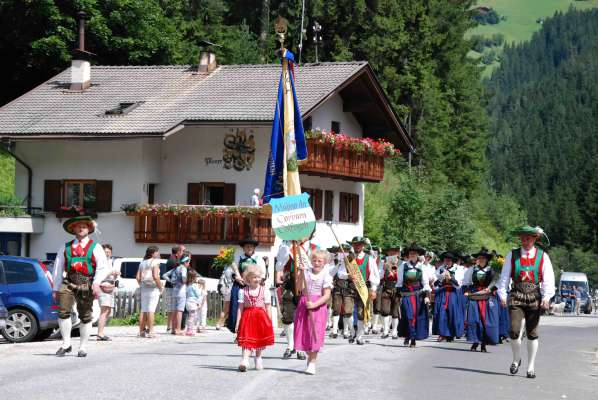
(459, 273)
(425, 281)
(429, 272)
(102, 267)
(285, 252)
(374, 276)
(547, 288)
(253, 292)
(255, 200)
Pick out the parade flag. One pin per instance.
(287, 142)
(293, 217)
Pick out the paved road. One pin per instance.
(206, 367)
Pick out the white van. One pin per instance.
(127, 281)
(565, 290)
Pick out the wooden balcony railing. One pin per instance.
(220, 227)
(324, 160)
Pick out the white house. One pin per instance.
(105, 137)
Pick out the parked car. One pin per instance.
(568, 281)
(3, 314)
(128, 274)
(26, 291)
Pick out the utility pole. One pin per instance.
(317, 37)
(302, 30)
(265, 20)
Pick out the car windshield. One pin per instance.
(568, 286)
(128, 269)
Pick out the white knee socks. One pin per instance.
(65, 326)
(348, 325)
(84, 331)
(532, 349)
(516, 349)
(360, 329)
(395, 326)
(335, 319)
(386, 324)
(289, 331)
(376, 322)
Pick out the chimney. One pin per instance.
(207, 57)
(80, 66)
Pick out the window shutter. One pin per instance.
(318, 200)
(328, 205)
(355, 208)
(230, 190)
(52, 195)
(103, 196)
(194, 193)
(342, 209)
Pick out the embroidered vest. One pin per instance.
(364, 267)
(526, 269)
(84, 262)
(244, 262)
(412, 274)
(482, 277)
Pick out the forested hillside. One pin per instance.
(544, 134)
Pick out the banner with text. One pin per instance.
(293, 217)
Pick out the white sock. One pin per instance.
(395, 326)
(84, 331)
(290, 332)
(329, 321)
(376, 321)
(347, 324)
(386, 321)
(335, 320)
(532, 350)
(351, 326)
(516, 349)
(360, 329)
(65, 330)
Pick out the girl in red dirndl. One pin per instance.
(254, 326)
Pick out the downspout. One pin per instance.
(6, 148)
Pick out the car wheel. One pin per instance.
(21, 326)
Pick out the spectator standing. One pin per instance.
(577, 292)
(178, 299)
(150, 286)
(194, 303)
(106, 298)
(203, 322)
(171, 264)
(224, 288)
(256, 200)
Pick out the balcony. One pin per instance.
(324, 159)
(202, 224)
(19, 219)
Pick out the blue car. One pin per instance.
(26, 291)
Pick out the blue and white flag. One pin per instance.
(287, 143)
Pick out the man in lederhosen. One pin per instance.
(530, 269)
(389, 299)
(285, 277)
(371, 276)
(339, 291)
(86, 266)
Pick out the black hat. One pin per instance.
(392, 246)
(448, 254)
(333, 249)
(415, 247)
(248, 241)
(483, 253)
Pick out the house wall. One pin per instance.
(193, 154)
(332, 110)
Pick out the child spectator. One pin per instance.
(194, 303)
(254, 326)
(203, 309)
(178, 278)
(315, 291)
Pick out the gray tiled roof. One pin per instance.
(170, 95)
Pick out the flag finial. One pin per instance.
(281, 26)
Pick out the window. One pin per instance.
(124, 108)
(80, 194)
(85, 193)
(19, 272)
(151, 193)
(203, 265)
(315, 201)
(328, 205)
(307, 124)
(348, 208)
(211, 193)
(335, 127)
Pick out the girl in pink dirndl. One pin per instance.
(312, 311)
(254, 326)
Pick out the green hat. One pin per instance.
(528, 230)
(484, 253)
(359, 239)
(69, 224)
(346, 246)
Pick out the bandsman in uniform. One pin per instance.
(86, 266)
(448, 301)
(414, 290)
(340, 291)
(369, 273)
(530, 269)
(389, 299)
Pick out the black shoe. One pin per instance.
(474, 347)
(345, 336)
(483, 348)
(500, 340)
(406, 342)
(333, 335)
(360, 342)
(104, 339)
(450, 339)
(61, 352)
(515, 367)
(352, 339)
(531, 374)
(288, 353)
(384, 336)
(242, 368)
(81, 353)
(301, 356)
(412, 344)
(395, 337)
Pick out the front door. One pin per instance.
(10, 244)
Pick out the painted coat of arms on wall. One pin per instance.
(239, 149)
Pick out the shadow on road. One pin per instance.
(235, 369)
(477, 371)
